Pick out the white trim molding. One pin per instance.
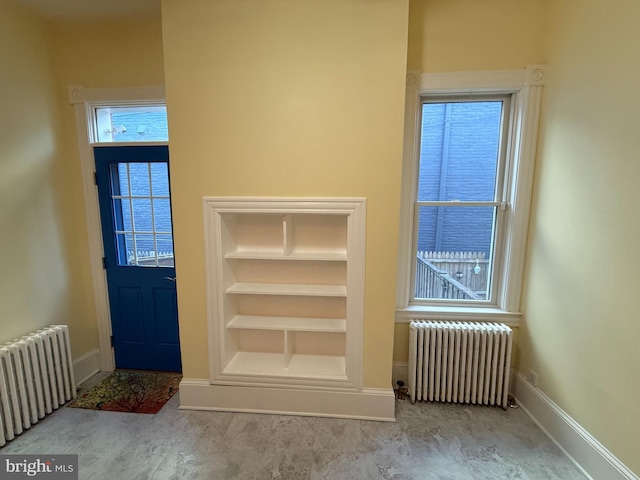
(578, 444)
(77, 94)
(84, 100)
(368, 404)
(225, 345)
(525, 88)
(460, 314)
(86, 366)
(488, 81)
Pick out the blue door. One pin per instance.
(135, 211)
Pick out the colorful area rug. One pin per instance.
(133, 391)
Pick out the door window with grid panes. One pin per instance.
(142, 212)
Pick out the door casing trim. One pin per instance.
(84, 100)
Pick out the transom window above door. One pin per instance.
(130, 124)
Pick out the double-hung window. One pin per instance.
(460, 204)
(467, 176)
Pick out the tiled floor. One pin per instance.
(428, 441)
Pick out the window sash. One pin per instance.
(495, 258)
(500, 194)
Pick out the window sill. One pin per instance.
(459, 313)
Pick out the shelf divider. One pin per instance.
(287, 234)
(289, 341)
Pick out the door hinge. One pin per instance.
(111, 338)
(104, 263)
(95, 178)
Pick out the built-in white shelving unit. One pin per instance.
(285, 290)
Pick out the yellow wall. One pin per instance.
(582, 326)
(112, 53)
(461, 35)
(282, 98)
(40, 259)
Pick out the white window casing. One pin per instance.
(525, 89)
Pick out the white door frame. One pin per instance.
(84, 101)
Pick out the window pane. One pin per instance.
(459, 150)
(142, 215)
(165, 250)
(122, 214)
(453, 254)
(125, 249)
(121, 185)
(160, 179)
(145, 250)
(139, 176)
(132, 124)
(162, 214)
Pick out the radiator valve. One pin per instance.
(402, 390)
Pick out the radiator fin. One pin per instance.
(36, 377)
(459, 362)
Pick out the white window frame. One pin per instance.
(85, 102)
(525, 89)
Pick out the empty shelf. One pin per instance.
(288, 289)
(304, 366)
(303, 324)
(329, 256)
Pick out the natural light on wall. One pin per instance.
(146, 123)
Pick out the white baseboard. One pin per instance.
(368, 404)
(578, 444)
(86, 366)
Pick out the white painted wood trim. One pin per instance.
(593, 458)
(356, 251)
(94, 236)
(367, 404)
(116, 96)
(83, 100)
(86, 366)
(219, 357)
(526, 87)
(461, 314)
(522, 158)
(489, 81)
(410, 154)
